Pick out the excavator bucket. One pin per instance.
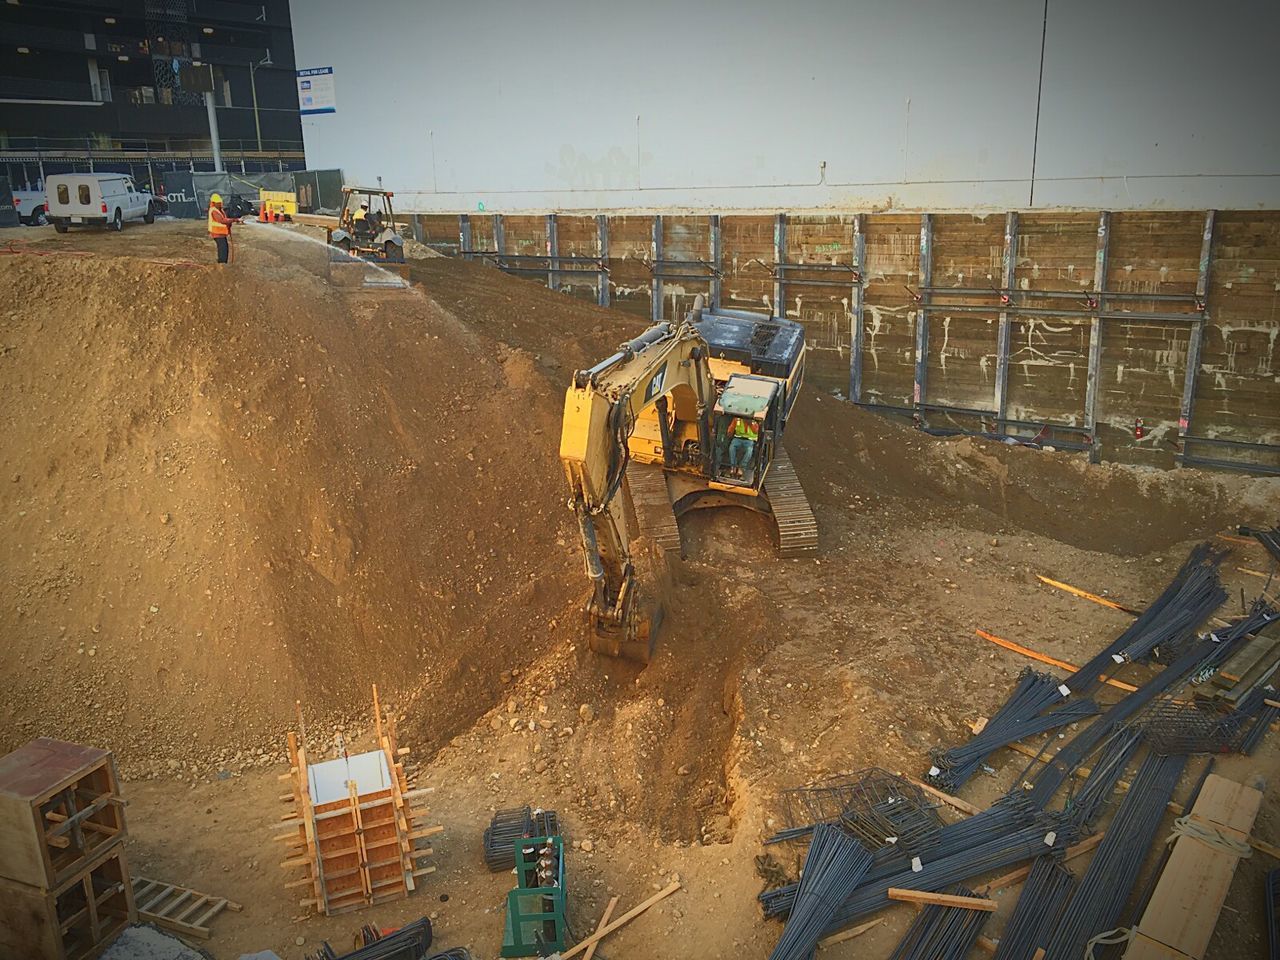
(637, 637)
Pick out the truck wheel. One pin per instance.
(150, 215)
(117, 222)
(39, 218)
(60, 226)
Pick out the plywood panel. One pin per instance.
(967, 254)
(889, 312)
(578, 237)
(823, 300)
(686, 239)
(1238, 387)
(630, 250)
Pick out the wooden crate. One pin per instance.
(75, 921)
(60, 807)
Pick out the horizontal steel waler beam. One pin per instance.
(1080, 314)
(1063, 294)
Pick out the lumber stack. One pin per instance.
(353, 828)
(1183, 910)
(64, 883)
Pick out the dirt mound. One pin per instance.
(222, 495)
(842, 451)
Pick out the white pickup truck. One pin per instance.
(31, 207)
(105, 199)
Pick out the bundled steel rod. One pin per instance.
(1085, 806)
(1099, 900)
(942, 933)
(510, 825)
(1205, 655)
(1270, 539)
(1266, 716)
(1023, 715)
(1039, 907)
(1186, 603)
(834, 867)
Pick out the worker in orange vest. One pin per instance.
(220, 228)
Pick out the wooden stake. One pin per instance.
(1086, 595)
(942, 899)
(622, 920)
(964, 806)
(849, 934)
(604, 920)
(1045, 658)
(1017, 876)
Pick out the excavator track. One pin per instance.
(797, 526)
(653, 506)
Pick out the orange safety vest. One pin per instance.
(218, 228)
(746, 428)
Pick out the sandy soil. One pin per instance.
(225, 490)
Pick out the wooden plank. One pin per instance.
(1045, 658)
(942, 899)
(604, 921)
(964, 806)
(1184, 907)
(621, 921)
(849, 934)
(1017, 876)
(1086, 595)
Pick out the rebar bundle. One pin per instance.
(1206, 654)
(1099, 900)
(1022, 715)
(835, 865)
(1270, 539)
(510, 825)
(874, 805)
(1267, 715)
(942, 933)
(1085, 806)
(1039, 907)
(1171, 620)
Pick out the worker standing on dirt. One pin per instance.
(745, 433)
(220, 228)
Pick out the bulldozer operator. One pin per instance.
(743, 434)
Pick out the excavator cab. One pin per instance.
(747, 416)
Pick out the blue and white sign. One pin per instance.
(316, 92)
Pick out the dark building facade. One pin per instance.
(116, 84)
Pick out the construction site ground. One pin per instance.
(225, 491)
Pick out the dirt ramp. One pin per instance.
(221, 495)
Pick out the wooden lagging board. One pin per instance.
(358, 848)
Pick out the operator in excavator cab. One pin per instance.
(743, 433)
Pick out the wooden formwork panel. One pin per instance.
(481, 232)
(967, 254)
(360, 849)
(578, 237)
(1049, 356)
(747, 263)
(889, 313)
(1238, 388)
(822, 299)
(1143, 364)
(630, 254)
(441, 232)
(686, 239)
(60, 806)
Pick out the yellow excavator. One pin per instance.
(687, 415)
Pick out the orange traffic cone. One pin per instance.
(263, 214)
